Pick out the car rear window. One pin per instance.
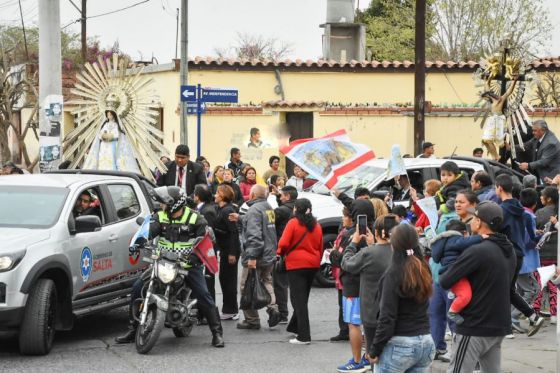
(31, 207)
(125, 200)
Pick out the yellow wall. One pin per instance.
(380, 132)
(345, 87)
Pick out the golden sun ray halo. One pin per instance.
(137, 106)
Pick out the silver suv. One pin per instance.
(64, 249)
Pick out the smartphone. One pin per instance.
(362, 224)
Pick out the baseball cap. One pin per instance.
(427, 144)
(490, 213)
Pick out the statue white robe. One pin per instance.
(116, 154)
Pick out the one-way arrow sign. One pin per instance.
(188, 93)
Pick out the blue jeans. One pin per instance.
(439, 305)
(407, 354)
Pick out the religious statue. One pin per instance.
(493, 130)
(505, 78)
(111, 149)
(116, 117)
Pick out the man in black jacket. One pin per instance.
(490, 267)
(545, 151)
(182, 172)
(283, 213)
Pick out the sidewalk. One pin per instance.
(523, 354)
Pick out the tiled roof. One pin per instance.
(212, 62)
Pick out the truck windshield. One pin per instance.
(30, 207)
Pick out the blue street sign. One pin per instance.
(220, 95)
(191, 108)
(188, 93)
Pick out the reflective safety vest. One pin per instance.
(188, 218)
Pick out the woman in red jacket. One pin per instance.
(248, 182)
(302, 244)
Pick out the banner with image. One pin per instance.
(51, 121)
(328, 157)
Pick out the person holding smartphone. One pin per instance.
(351, 288)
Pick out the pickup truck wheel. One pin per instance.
(36, 334)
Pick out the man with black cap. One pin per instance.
(490, 268)
(427, 150)
(182, 172)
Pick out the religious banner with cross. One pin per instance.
(504, 77)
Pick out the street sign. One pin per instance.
(220, 95)
(191, 108)
(188, 93)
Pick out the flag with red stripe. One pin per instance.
(329, 157)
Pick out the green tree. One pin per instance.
(469, 29)
(390, 28)
(12, 41)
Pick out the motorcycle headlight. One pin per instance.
(166, 272)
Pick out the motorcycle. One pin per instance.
(166, 298)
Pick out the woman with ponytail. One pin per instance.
(402, 340)
(302, 245)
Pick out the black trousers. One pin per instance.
(300, 281)
(517, 300)
(342, 326)
(280, 284)
(228, 282)
(210, 284)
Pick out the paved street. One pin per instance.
(90, 347)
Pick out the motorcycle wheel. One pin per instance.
(147, 335)
(183, 332)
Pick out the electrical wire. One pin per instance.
(118, 10)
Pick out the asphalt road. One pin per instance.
(90, 347)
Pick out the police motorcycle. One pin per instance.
(166, 299)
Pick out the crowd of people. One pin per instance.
(403, 283)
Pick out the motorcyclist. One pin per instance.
(176, 226)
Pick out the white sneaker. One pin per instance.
(296, 341)
(553, 320)
(510, 336)
(229, 316)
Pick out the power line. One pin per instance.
(119, 10)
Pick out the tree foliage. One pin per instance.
(390, 28)
(255, 47)
(12, 44)
(469, 29)
(14, 89)
(455, 29)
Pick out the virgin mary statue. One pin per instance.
(111, 149)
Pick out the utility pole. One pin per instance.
(177, 34)
(184, 66)
(50, 78)
(84, 30)
(24, 35)
(419, 75)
